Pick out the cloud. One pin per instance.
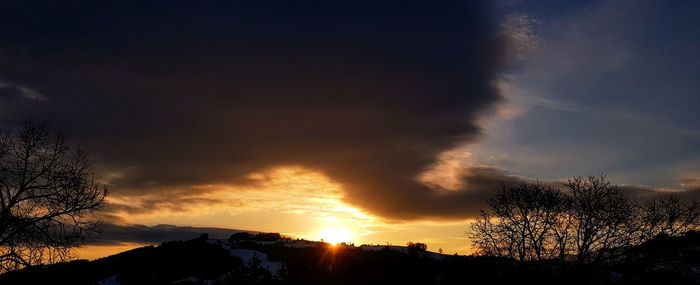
(115, 234)
(610, 87)
(170, 96)
(162, 202)
(483, 179)
(10, 89)
(643, 192)
(521, 29)
(16, 100)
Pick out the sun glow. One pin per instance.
(293, 201)
(336, 235)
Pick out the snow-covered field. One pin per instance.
(111, 280)
(247, 255)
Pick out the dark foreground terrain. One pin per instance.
(663, 260)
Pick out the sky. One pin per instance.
(372, 121)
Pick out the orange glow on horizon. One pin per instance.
(336, 235)
(293, 201)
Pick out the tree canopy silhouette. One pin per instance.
(48, 196)
(521, 222)
(588, 221)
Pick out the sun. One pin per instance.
(335, 235)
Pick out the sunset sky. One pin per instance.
(366, 121)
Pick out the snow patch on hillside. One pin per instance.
(247, 256)
(111, 280)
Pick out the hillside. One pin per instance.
(664, 260)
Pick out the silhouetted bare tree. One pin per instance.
(601, 218)
(47, 197)
(590, 220)
(520, 223)
(668, 215)
(562, 228)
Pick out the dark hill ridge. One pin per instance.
(663, 260)
(145, 265)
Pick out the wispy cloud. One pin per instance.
(21, 90)
(601, 111)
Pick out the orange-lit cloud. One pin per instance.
(292, 200)
(361, 116)
(369, 102)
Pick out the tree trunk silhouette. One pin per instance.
(47, 197)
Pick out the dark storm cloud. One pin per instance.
(172, 95)
(167, 201)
